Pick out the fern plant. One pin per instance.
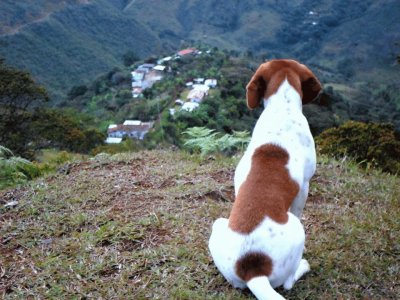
(206, 141)
(15, 170)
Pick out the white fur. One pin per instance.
(282, 123)
(284, 244)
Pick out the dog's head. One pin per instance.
(269, 76)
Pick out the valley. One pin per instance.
(68, 43)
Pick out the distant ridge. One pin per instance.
(68, 43)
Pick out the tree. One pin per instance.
(19, 96)
(129, 58)
(61, 130)
(77, 91)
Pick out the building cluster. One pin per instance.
(198, 90)
(144, 76)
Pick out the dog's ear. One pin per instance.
(256, 87)
(310, 85)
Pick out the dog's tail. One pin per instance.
(254, 268)
(262, 289)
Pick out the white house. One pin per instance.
(163, 60)
(179, 102)
(160, 68)
(132, 122)
(190, 106)
(130, 128)
(212, 83)
(198, 80)
(113, 140)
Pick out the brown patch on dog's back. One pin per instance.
(253, 265)
(267, 191)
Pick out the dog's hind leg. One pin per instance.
(303, 268)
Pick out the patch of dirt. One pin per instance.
(7, 196)
(315, 198)
(227, 195)
(222, 176)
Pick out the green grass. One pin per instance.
(136, 226)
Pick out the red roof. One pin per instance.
(187, 51)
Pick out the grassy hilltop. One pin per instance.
(136, 226)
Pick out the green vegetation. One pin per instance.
(136, 226)
(370, 144)
(27, 126)
(206, 141)
(15, 170)
(73, 45)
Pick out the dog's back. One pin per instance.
(282, 123)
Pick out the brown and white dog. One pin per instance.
(262, 243)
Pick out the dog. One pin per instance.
(261, 245)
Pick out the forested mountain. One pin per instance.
(65, 43)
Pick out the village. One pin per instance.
(143, 77)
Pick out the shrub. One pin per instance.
(15, 170)
(371, 144)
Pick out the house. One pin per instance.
(198, 93)
(160, 68)
(113, 140)
(138, 75)
(130, 128)
(212, 83)
(186, 52)
(145, 67)
(196, 96)
(201, 87)
(132, 122)
(190, 106)
(136, 92)
(137, 84)
(179, 102)
(198, 80)
(163, 60)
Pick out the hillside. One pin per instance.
(74, 44)
(135, 226)
(68, 43)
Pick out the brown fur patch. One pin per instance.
(270, 75)
(253, 265)
(267, 191)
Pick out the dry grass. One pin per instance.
(136, 226)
